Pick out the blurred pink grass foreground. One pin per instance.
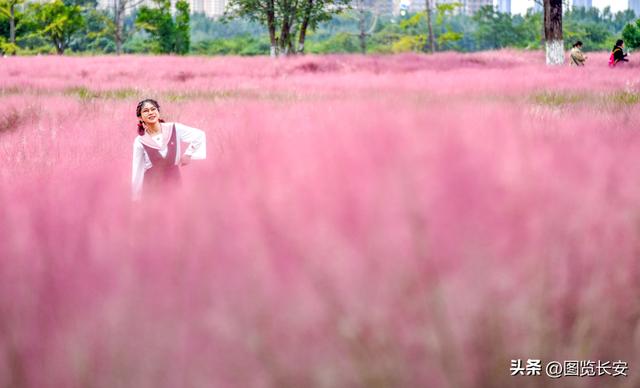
(402, 221)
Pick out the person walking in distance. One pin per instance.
(576, 55)
(617, 54)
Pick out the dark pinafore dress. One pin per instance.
(164, 172)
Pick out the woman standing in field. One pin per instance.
(156, 149)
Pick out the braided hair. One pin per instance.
(139, 113)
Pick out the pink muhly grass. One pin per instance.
(403, 221)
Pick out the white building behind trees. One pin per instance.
(212, 8)
(504, 6)
(635, 6)
(582, 3)
(468, 7)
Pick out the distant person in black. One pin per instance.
(617, 55)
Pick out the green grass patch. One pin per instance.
(205, 95)
(12, 90)
(86, 94)
(625, 98)
(559, 98)
(232, 94)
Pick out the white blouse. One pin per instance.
(197, 149)
(159, 138)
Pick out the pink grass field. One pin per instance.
(395, 221)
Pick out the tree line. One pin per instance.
(60, 25)
(452, 30)
(285, 27)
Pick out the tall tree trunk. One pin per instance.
(362, 26)
(541, 3)
(305, 24)
(118, 10)
(291, 49)
(288, 19)
(553, 32)
(284, 37)
(118, 38)
(271, 26)
(12, 25)
(285, 28)
(430, 44)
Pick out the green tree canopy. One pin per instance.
(158, 23)
(182, 41)
(167, 35)
(56, 22)
(286, 18)
(495, 29)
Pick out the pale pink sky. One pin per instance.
(520, 6)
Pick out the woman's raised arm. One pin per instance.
(196, 138)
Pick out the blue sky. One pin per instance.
(520, 6)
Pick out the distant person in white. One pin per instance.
(156, 150)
